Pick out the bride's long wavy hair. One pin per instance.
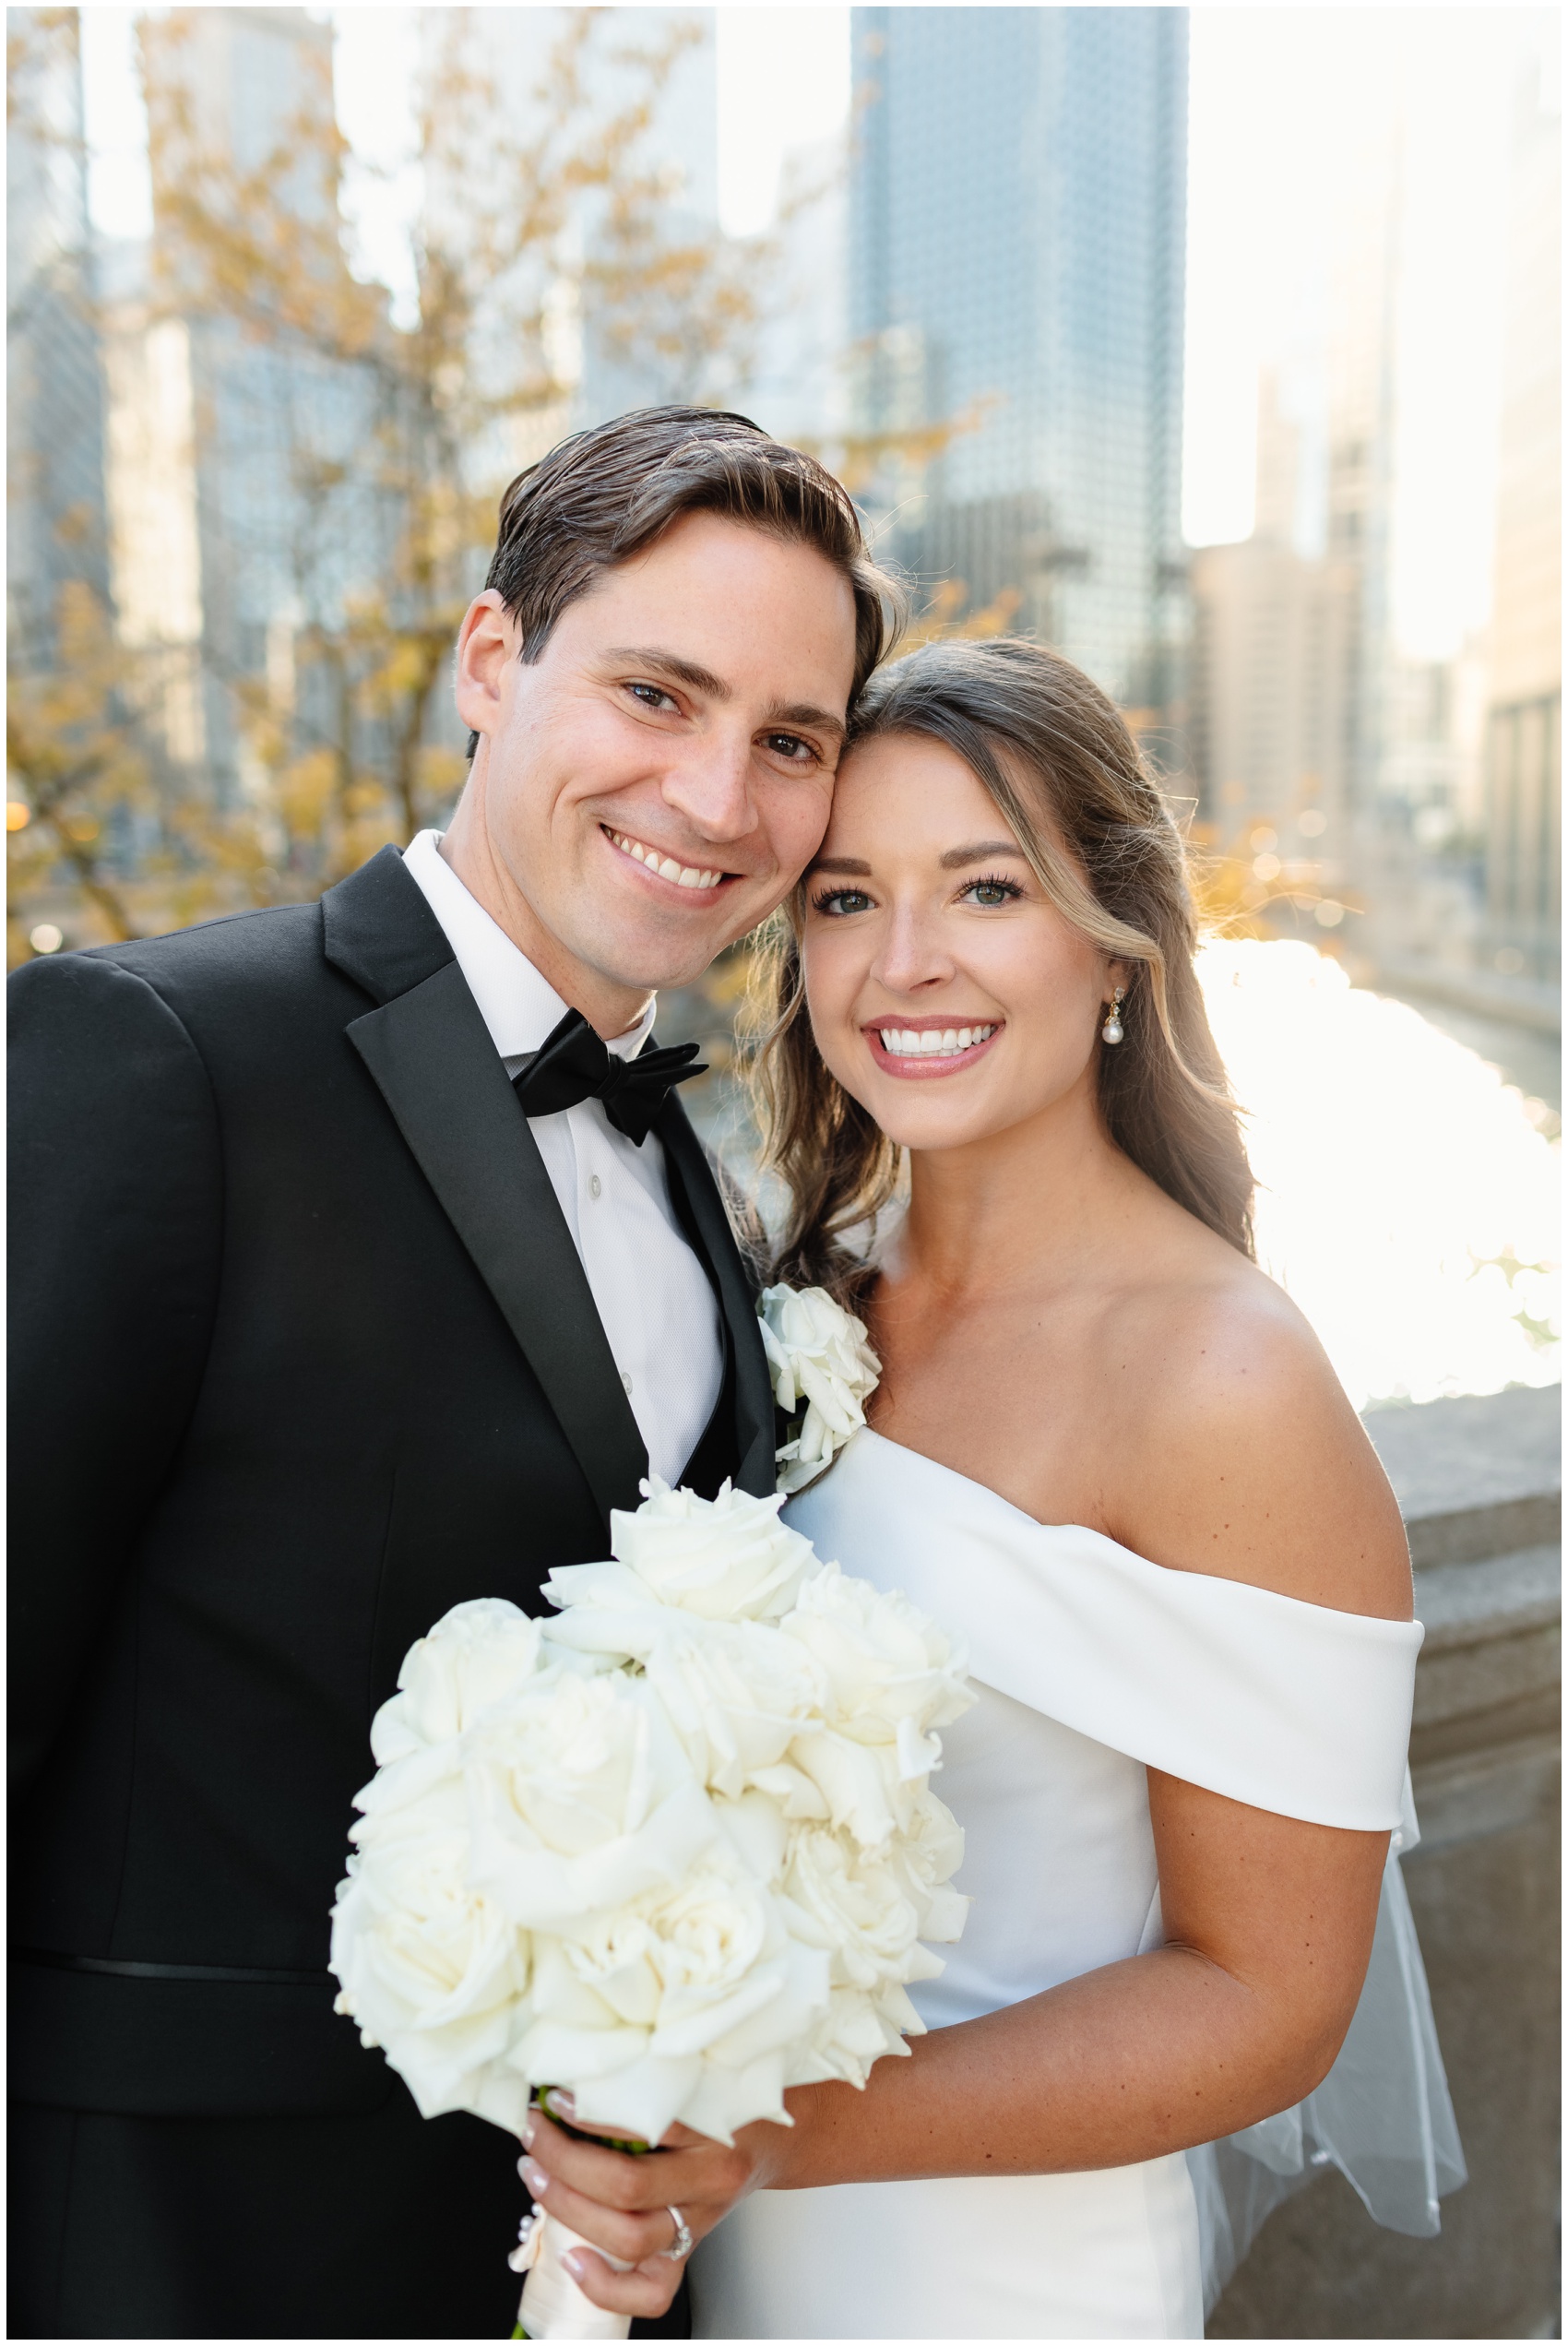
(1069, 782)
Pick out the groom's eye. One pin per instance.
(789, 745)
(651, 696)
(836, 901)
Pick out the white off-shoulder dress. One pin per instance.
(1093, 1664)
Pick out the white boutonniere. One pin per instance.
(824, 1371)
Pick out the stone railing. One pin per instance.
(1479, 1482)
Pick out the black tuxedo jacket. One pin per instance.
(303, 1354)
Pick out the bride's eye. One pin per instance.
(991, 892)
(836, 901)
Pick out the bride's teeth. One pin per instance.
(912, 1043)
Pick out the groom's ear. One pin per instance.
(486, 641)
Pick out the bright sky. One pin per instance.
(1284, 102)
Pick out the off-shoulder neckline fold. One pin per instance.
(1176, 1573)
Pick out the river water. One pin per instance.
(1407, 1194)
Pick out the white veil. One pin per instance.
(1382, 2115)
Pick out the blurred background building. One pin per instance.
(1273, 672)
(240, 518)
(1016, 259)
(56, 529)
(1524, 740)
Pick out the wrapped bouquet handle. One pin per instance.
(553, 2305)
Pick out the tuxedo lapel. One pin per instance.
(691, 1177)
(432, 1058)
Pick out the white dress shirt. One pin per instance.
(653, 1294)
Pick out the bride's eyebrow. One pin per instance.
(983, 852)
(851, 865)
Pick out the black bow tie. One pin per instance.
(572, 1064)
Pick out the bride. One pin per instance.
(1109, 1451)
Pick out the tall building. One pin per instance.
(1362, 415)
(242, 510)
(1524, 824)
(1017, 232)
(800, 388)
(1270, 718)
(53, 377)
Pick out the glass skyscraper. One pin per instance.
(1017, 234)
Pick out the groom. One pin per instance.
(361, 1266)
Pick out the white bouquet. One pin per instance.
(674, 1848)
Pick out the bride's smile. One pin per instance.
(921, 1048)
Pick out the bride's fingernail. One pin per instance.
(559, 2102)
(528, 2132)
(573, 2261)
(534, 2177)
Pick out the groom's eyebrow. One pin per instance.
(957, 858)
(704, 681)
(669, 663)
(804, 712)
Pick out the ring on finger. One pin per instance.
(680, 2248)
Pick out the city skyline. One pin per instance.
(1285, 103)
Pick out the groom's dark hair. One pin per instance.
(602, 496)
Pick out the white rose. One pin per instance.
(858, 1785)
(863, 1911)
(725, 1559)
(892, 1673)
(820, 1362)
(685, 2009)
(431, 1969)
(859, 2028)
(738, 1694)
(851, 1902)
(582, 1800)
(475, 1655)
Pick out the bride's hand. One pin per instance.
(622, 2201)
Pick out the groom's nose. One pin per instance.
(709, 782)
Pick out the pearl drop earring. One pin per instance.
(1111, 1030)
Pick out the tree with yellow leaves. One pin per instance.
(343, 463)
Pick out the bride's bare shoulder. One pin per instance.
(1244, 1456)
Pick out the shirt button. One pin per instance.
(625, 1380)
(595, 1186)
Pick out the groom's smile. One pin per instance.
(647, 788)
(673, 874)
